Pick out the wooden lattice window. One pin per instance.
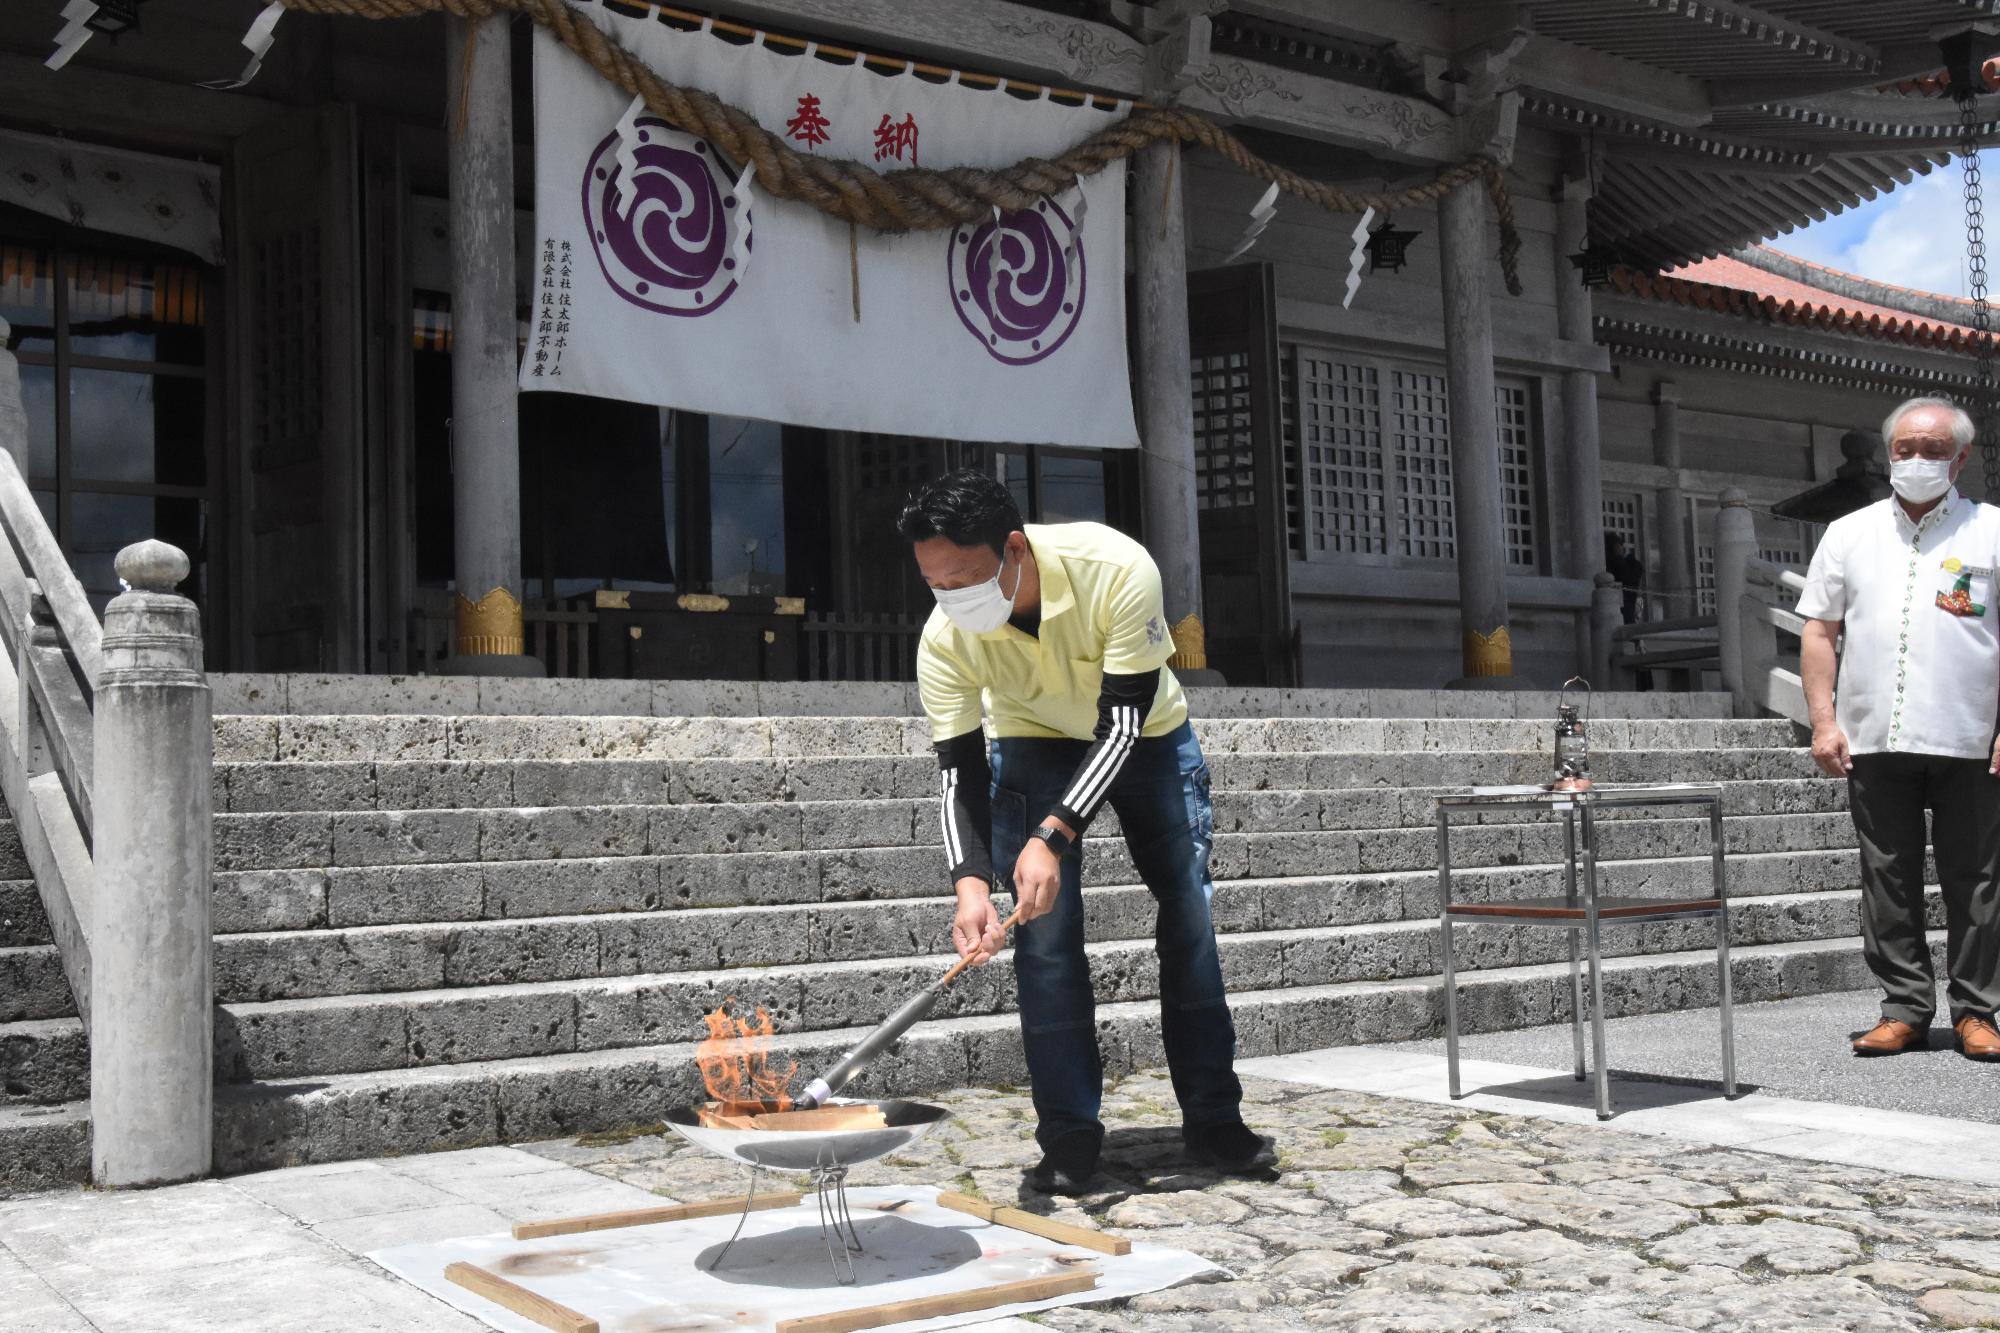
(1420, 425)
(1622, 519)
(1224, 459)
(1346, 477)
(1517, 472)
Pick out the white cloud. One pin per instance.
(1914, 235)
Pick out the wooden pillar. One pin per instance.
(1480, 535)
(1676, 561)
(485, 426)
(1582, 455)
(1166, 393)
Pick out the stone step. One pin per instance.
(22, 920)
(465, 695)
(43, 1147)
(44, 1060)
(32, 984)
(342, 1116)
(831, 843)
(869, 819)
(285, 901)
(430, 736)
(388, 784)
(303, 964)
(353, 1034)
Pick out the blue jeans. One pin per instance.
(1162, 801)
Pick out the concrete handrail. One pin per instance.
(1750, 623)
(105, 763)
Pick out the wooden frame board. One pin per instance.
(640, 1217)
(512, 1296)
(1036, 1225)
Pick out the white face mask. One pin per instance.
(981, 608)
(1920, 480)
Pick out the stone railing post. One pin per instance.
(1735, 548)
(1607, 613)
(152, 1027)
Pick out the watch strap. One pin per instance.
(1058, 841)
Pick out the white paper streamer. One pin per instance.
(258, 39)
(1261, 214)
(1075, 246)
(628, 154)
(75, 31)
(1358, 258)
(993, 267)
(739, 249)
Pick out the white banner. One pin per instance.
(696, 289)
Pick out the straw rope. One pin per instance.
(920, 198)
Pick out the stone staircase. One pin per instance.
(454, 912)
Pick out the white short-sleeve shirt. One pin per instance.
(1920, 657)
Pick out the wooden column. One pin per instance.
(1475, 444)
(1676, 561)
(1582, 456)
(485, 427)
(1166, 393)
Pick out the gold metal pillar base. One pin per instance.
(1190, 645)
(490, 626)
(1488, 654)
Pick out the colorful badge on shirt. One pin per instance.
(1959, 581)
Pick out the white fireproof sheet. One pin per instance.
(654, 1279)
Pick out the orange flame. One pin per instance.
(735, 1063)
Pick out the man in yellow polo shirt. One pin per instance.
(1056, 633)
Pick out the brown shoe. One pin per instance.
(1891, 1036)
(1978, 1039)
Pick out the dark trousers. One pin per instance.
(1162, 801)
(1888, 794)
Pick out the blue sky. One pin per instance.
(1913, 236)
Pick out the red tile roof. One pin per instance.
(1732, 287)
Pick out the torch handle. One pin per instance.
(966, 961)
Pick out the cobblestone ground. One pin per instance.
(1395, 1215)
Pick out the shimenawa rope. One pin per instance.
(920, 198)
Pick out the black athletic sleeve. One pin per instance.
(1122, 705)
(965, 782)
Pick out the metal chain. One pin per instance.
(1975, 275)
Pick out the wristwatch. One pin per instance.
(1058, 841)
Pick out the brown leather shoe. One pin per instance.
(1978, 1039)
(1891, 1036)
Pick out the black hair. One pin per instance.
(966, 508)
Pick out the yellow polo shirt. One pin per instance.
(1101, 612)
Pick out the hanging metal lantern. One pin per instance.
(1572, 748)
(1387, 247)
(1594, 264)
(114, 16)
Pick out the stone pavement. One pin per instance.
(1386, 1214)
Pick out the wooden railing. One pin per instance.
(858, 647)
(105, 762)
(559, 636)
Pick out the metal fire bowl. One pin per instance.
(810, 1150)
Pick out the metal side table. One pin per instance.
(1585, 911)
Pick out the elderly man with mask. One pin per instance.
(1907, 586)
(1056, 633)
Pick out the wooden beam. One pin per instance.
(995, 35)
(513, 1296)
(641, 1217)
(1270, 98)
(138, 111)
(1426, 27)
(1035, 1225)
(1770, 29)
(1581, 74)
(930, 1307)
(1907, 60)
